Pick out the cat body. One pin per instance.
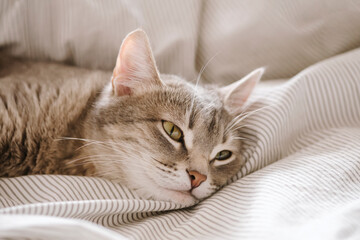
(39, 104)
(157, 134)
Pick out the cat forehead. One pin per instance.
(199, 107)
(203, 121)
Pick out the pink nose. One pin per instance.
(196, 178)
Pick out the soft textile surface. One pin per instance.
(304, 142)
(284, 35)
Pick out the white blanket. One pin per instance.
(301, 179)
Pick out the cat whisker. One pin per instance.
(86, 162)
(89, 142)
(244, 116)
(75, 138)
(110, 175)
(128, 150)
(240, 138)
(243, 112)
(204, 67)
(83, 159)
(198, 80)
(85, 145)
(241, 126)
(240, 114)
(245, 139)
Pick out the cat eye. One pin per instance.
(172, 130)
(223, 155)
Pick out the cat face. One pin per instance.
(162, 136)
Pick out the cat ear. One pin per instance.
(237, 93)
(135, 69)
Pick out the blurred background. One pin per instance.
(236, 36)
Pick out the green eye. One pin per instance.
(223, 155)
(172, 130)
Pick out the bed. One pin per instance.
(301, 178)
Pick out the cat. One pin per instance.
(160, 135)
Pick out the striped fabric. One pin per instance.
(301, 179)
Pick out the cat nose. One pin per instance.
(196, 178)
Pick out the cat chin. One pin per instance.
(203, 191)
(179, 197)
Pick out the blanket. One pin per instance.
(301, 179)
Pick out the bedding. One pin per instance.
(238, 36)
(301, 179)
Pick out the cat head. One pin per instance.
(162, 136)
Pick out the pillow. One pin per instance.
(285, 36)
(237, 35)
(89, 33)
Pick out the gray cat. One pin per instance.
(157, 134)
